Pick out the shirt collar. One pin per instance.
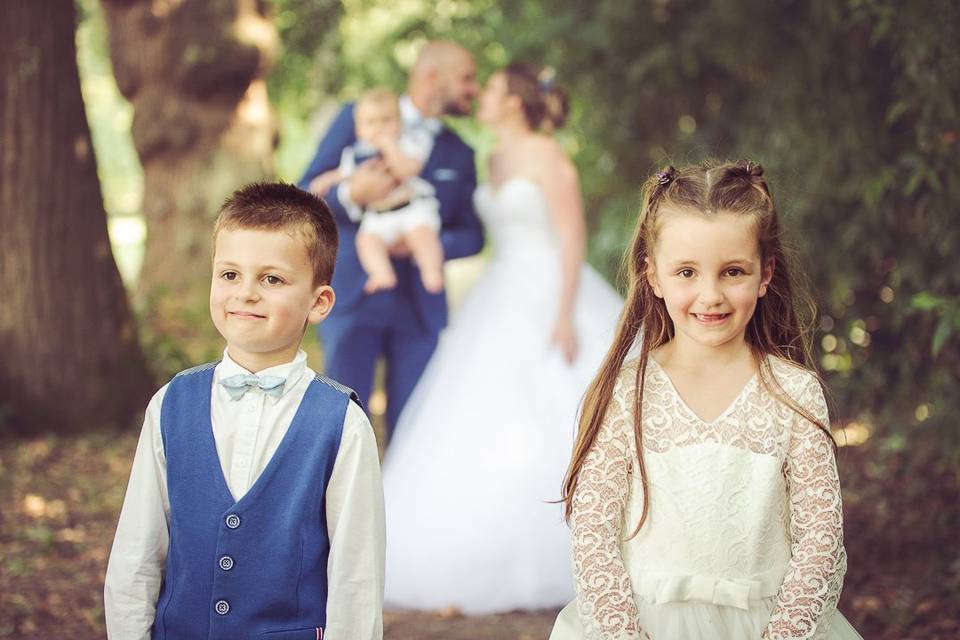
(412, 118)
(292, 370)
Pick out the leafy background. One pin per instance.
(850, 105)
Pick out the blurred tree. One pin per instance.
(851, 106)
(70, 355)
(194, 72)
(305, 76)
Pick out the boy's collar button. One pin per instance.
(232, 521)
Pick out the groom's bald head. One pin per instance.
(439, 54)
(443, 80)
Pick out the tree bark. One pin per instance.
(69, 356)
(194, 71)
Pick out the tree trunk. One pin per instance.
(69, 357)
(194, 71)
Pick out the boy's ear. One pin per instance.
(323, 300)
(767, 276)
(651, 274)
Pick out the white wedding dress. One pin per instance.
(481, 448)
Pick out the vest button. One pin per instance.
(233, 521)
(226, 563)
(222, 607)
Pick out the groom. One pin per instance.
(403, 323)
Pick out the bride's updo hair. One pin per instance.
(545, 104)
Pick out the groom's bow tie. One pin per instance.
(239, 384)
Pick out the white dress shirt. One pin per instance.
(417, 138)
(247, 433)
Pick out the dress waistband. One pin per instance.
(719, 590)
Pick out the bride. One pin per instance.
(481, 448)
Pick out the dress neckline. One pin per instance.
(686, 407)
(497, 189)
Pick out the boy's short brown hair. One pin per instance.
(277, 206)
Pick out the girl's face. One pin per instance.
(708, 272)
(495, 102)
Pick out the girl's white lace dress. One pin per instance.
(480, 450)
(744, 538)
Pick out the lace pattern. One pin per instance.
(604, 597)
(803, 507)
(668, 423)
(818, 560)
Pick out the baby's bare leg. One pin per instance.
(427, 252)
(372, 252)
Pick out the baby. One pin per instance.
(410, 212)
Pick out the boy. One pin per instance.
(410, 212)
(255, 507)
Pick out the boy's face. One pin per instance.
(375, 120)
(262, 295)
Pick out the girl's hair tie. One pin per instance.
(750, 169)
(664, 178)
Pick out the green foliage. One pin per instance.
(306, 72)
(947, 310)
(851, 106)
(109, 114)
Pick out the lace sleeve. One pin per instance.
(811, 587)
(604, 596)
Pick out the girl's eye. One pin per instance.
(685, 273)
(735, 272)
(274, 280)
(229, 275)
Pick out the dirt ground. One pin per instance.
(60, 498)
(509, 626)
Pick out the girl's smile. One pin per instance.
(707, 269)
(711, 319)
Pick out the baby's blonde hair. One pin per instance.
(377, 97)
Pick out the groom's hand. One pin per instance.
(371, 181)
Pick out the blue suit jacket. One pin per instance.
(451, 170)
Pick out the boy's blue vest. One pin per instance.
(257, 567)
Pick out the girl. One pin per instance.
(703, 490)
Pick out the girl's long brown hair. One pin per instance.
(781, 326)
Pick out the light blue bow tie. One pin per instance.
(239, 384)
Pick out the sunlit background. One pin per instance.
(850, 105)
